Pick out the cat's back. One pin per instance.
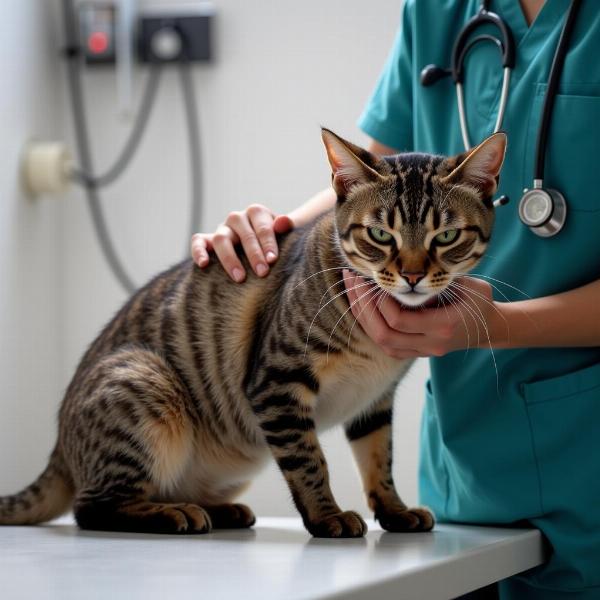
(195, 319)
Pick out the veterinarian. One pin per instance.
(520, 442)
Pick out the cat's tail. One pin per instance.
(49, 496)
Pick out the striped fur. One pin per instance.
(197, 381)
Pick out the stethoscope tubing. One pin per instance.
(462, 113)
(552, 90)
(548, 203)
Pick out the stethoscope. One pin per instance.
(543, 210)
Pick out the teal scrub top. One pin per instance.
(522, 445)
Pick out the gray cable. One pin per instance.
(85, 176)
(83, 147)
(131, 145)
(193, 130)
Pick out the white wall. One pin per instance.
(29, 262)
(282, 69)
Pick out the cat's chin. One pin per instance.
(417, 300)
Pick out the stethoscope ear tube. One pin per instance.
(462, 46)
(432, 74)
(506, 43)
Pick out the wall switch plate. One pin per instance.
(173, 35)
(97, 32)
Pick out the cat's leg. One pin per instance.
(130, 436)
(370, 437)
(284, 406)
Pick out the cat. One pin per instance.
(198, 381)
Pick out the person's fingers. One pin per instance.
(201, 245)
(399, 318)
(367, 294)
(225, 251)
(357, 290)
(393, 343)
(241, 225)
(429, 332)
(371, 321)
(397, 344)
(431, 322)
(261, 220)
(282, 223)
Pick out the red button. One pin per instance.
(98, 42)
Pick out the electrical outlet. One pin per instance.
(172, 35)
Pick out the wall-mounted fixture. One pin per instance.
(113, 34)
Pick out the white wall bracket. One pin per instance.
(46, 167)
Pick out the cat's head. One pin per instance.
(413, 222)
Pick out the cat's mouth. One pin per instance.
(416, 298)
(413, 298)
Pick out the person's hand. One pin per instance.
(467, 319)
(253, 228)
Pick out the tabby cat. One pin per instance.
(197, 381)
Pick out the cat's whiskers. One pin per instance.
(468, 290)
(472, 274)
(473, 306)
(382, 298)
(467, 300)
(448, 297)
(318, 273)
(379, 301)
(506, 298)
(470, 301)
(360, 285)
(327, 290)
(370, 291)
(458, 302)
(379, 293)
(444, 295)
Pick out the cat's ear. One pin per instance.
(480, 167)
(350, 164)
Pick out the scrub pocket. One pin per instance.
(564, 414)
(575, 118)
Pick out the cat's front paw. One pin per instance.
(405, 520)
(346, 524)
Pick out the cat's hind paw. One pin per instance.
(231, 516)
(142, 517)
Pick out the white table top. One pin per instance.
(276, 560)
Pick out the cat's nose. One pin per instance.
(412, 277)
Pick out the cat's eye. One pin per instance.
(379, 235)
(446, 237)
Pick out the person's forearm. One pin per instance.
(569, 319)
(314, 207)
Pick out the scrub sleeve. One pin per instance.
(513, 439)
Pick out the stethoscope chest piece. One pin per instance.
(544, 211)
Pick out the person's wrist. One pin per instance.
(298, 217)
(499, 326)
